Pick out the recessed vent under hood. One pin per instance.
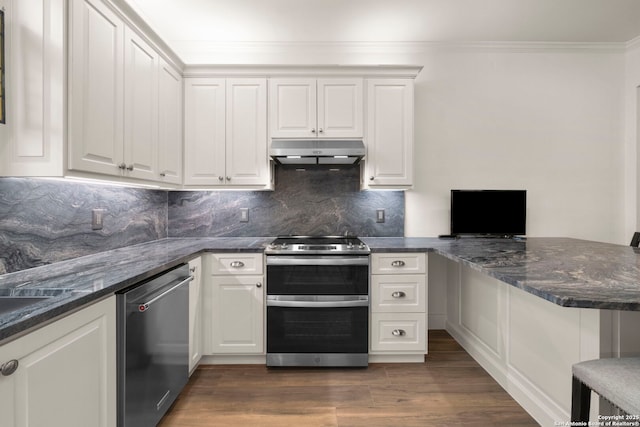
(316, 151)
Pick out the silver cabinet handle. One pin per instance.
(313, 130)
(192, 269)
(122, 166)
(163, 174)
(321, 130)
(130, 167)
(398, 333)
(371, 178)
(398, 294)
(258, 285)
(228, 178)
(9, 367)
(397, 263)
(220, 178)
(237, 264)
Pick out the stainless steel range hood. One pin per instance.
(316, 151)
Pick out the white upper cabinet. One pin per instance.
(204, 117)
(125, 101)
(247, 159)
(170, 124)
(140, 107)
(316, 108)
(226, 132)
(32, 139)
(389, 140)
(96, 133)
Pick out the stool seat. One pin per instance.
(616, 380)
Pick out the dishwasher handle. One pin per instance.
(145, 305)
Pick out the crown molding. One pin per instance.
(633, 44)
(203, 52)
(317, 70)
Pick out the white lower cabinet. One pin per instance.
(234, 304)
(398, 305)
(66, 375)
(195, 313)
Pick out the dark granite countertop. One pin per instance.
(77, 282)
(567, 272)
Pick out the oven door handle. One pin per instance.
(317, 260)
(297, 302)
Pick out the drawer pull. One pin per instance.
(397, 263)
(398, 294)
(9, 367)
(398, 333)
(237, 264)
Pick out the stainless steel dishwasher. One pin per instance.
(153, 347)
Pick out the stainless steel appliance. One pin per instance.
(317, 301)
(317, 151)
(153, 348)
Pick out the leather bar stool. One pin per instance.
(616, 380)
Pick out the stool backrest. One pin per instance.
(635, 240)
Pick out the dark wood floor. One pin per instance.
(449, 389)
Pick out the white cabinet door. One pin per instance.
(204, 131)
(195, 313)
(292, 107)
(316, 108)
(340, 108)
(96, 88)
(247, 160)
(66, 375)
(389, 160)
(170, 119)
(32, 139)
(237, 316)
(140, 108)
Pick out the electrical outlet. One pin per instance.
(97, 219)
(379, 215)
(244, 214)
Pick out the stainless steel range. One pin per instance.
(317, 301)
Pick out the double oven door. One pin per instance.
(317, 310)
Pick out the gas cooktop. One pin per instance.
(317, 245)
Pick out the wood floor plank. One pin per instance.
(448, 389)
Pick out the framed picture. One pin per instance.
(3, 112)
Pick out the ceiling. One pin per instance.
(311, 21)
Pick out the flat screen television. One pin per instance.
(488, 212)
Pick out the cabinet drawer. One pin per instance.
(398, 332)
(394, 263)
(234, 263)
(398, 293)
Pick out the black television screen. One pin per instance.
(488, 212)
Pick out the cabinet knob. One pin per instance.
(122, 166)
(397, 263)
(9, 367)
(163, 174)
(313, 130)
(320, 130)
(130, 167)
(228, 178)
(398, 333)
(220, 178)
(192, 269)
(371, 178)
(398, 294)
(258, 285)
(237, 264)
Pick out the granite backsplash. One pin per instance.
(45, 221)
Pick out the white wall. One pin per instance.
(632, 135)
(546, 118)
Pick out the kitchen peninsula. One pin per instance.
(525, 309)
